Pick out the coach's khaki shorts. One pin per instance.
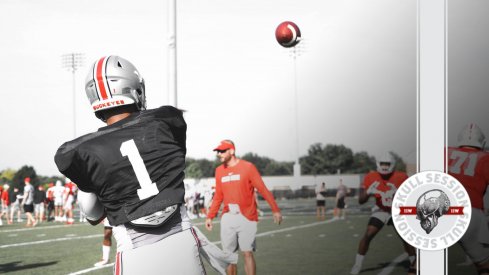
(238, 232)
(176, 254)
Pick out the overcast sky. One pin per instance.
(356, 74)
(467, 66)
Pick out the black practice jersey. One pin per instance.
(135, 166)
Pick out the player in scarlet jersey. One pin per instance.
(469, 164)
(131, 171)
(5, 203)
(236, 180)
(382, 185)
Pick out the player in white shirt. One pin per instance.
(58, 191)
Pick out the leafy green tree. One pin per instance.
(279, 168)
(326, 160)
(7, 175)
(260, 162)
(269, 167)
(362, 163)
(193, 171)
(206, 167)
(22, 173)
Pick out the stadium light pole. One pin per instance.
(295, 52)
(172, 53)
(288, 35)
(72, 62)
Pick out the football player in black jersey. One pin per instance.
(131, 171)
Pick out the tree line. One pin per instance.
(15, 178)
(320, 160)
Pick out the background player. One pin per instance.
(15, 199)
(236, 180)
(39, 200)
(469, 164)
(321, 201)
(5, 203)
(339, 210)
(50, 202)
(382, 185)
(28, 202)
(58, 191)
(142, 194)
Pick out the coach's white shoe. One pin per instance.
(101, 263)
(356, 269)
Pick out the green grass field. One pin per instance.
(301, 245)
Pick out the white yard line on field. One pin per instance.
(52, 240)
(40, 228)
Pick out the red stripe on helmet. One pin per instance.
(100, 79)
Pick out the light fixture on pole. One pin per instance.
(72, 62)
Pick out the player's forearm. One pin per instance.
(267, 195)
(362, 196)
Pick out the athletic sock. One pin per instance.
(359, 259)
(105, 252)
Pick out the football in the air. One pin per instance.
(288, 34)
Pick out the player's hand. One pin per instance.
(372, 189)
(391, 186)
(277, 218)
(388, 195)
(208, 224)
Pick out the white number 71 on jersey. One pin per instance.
(148, 188)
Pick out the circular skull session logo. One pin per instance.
(431, 210)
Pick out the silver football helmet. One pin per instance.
(113, 81)
(472, 136)
(386, 164)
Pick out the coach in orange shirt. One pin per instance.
(236, 181)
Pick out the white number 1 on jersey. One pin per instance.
(148, 188)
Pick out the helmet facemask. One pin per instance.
(386, 164)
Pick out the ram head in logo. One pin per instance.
(430, 206)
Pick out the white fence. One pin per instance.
(286, 182)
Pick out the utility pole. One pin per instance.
(172, 53)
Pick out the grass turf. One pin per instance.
(301, 245)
